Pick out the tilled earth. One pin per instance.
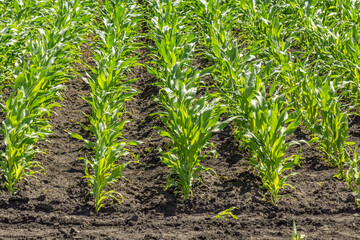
(55, 205)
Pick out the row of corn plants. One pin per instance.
(114, 55)
(188, 120)
(44, 66)
(264, 121)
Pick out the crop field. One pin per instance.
(180, 119)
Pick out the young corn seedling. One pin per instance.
(106, 124)
(189, 123)
(269, 125)
(227, 214)
(238, 84)
(109, 92)
(295, 235)
(353, 175)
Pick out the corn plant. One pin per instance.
(353, 175)
(106, 124)
(295, 235)
(110, 89)
(189, 123)
(227, 214)
(269, 125)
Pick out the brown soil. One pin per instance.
(55, 205)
